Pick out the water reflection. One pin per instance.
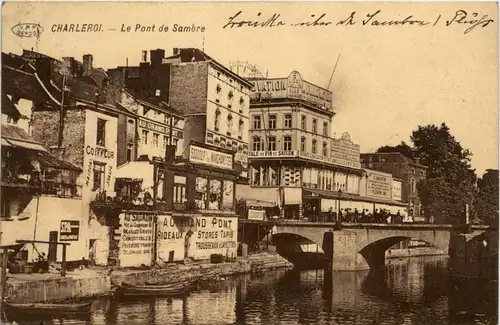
(409, 291)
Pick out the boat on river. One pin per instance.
(152, 289)
(47, 308)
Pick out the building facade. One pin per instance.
(147, 133)
(213, 100)
(292, 149)
(405, 169)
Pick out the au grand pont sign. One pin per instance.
(292, 87)
(210, 157)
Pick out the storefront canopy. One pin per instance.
(49, 161)
(314, 193)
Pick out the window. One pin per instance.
(229, 123)
(165, 142)
(129, 152)
(99, 170)
(315, 126)
(256, 144)
(287, 142)
(101, 132)
(217, 120)
(272, 121)
(201, 192)
(241, 127)
(288, 121)
(313, 148)
(413, 185)
(272, 144)
(145, 136)
(256, 122)
(325, 129)
(413, 171)
(156, 136)
(130, 127)
(325, 149)
(179, 189)
(303, 144)
(215, 194)
(303, 123)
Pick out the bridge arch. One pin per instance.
(290, 246)
(374, 252)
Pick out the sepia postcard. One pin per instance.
(249, 163)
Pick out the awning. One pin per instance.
(26, 145)
(259, 204)
(346, 196)
(50, 161)
(5, 143)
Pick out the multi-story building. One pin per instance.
(410, 172)
(213, 100)
(149, 133)
(291, 147)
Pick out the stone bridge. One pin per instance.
(363, 246)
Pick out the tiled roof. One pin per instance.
(16, 133)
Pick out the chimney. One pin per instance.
(156, 58)
(87, 65)
(43, 68)
(144, 57)
(176, 50)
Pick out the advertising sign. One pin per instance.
(256, 214)
(277, 154)
(210, 157)
(215, 235)
(69, 230)
(379, 185)
(174, 237)
(345, 152)
(292, 87)
(136, 241)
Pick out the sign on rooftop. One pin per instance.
(345, 153)
(293, 87)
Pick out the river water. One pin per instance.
(409, 291)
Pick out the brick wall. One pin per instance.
(46, 128)
(194, 130)
(188, 87)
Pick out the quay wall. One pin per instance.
(73, 288)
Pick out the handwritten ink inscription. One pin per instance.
(372, 19)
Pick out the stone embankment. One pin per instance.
(95, 282)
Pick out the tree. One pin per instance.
(450, 183)
(402, 148)
(486, 205)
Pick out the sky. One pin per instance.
(389, 79)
